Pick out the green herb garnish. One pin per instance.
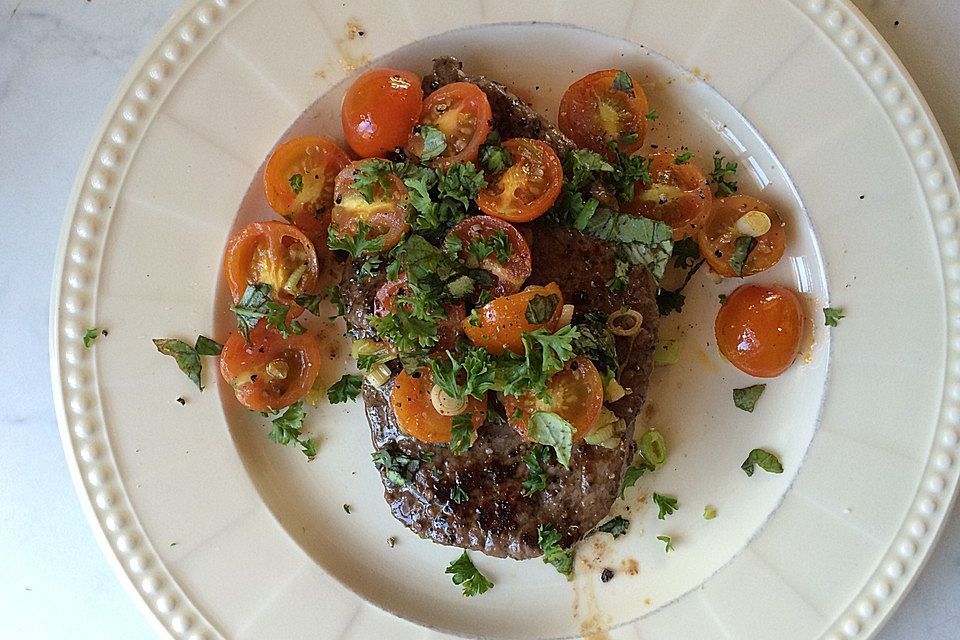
(461, 433)
(652, 115)
(288, 428)
(746, 398)
(616, 526)
(683, 158)
(763, 459)
(466, 575)
(553, 553)
(668, 544)
(624, 83)
(344, 389)
(493, 157)
(667, 504)
(536, 460)
(296, 183)
(719, 176)
(356, 244)
(434, 142)
(458, 495)
(541, 308)
(549, 429)
(90, 336)
(742, 248)
(831, 316)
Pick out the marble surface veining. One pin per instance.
(60, 63)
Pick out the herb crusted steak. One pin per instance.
(476, 499)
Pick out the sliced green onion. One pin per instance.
(378, 375)
(653, 447)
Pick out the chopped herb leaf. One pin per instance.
(346, 388)
(652, 115)
(667, 504)
(638, 240)
(452, 245)
(628, 171)
(356, 244)
(685, 252)
(461, 433)
(458, 495)
(90, 336)
(623, 82)
(669, 301)
(371, 174)
(464, 373)
(550, 429)
(583, 166)
(397, 466)
(832, 315)
(288, 428)
(722, 298)
(709, 512)
(719, 176)
(498, 244)
(553, 553)
(461, 287)
(764, 459)
(541, 308)
(668, 544)
(466, 575)
(296, 183)
(536, 460)
(434, 142)
(544, 354)
(746, 398)
(620, 279)
(632, 474)
(207, 347)
(493, 157)
(743, 246)
(616, 526)
(595, 341)
(186, 356)
(256, 304)
(683, 158)
(369, 267)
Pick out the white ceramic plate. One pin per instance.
(218, 532)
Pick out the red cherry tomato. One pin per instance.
(379, 111)
(273, 253)
(759, 329)
(677, 194)
(528, 187)
(461, 112)
(385, 214)
(502, 322)
(270, 372)
(509, 261)
(575, 394)
(416, 415)
(718, 236)
(599, 108)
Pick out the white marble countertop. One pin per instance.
(60, 63)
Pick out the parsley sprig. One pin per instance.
(288, 429)
(466, 575)
(553, 554)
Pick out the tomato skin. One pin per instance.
(759, 329)
(386, 215)
(416, 415)
(461, 111)
(576, 395)
(719, 234)
(528, 188)
(317, 160)
(593, 113)
(678, 194)
(270, 252)
(509, 276)
(243, 366)
(503, 320)
(379, 111)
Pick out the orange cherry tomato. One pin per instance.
(502, 321)
(416, 415)
(386, 214)
(575, 394)
(759, 329)
(514, 270)
(529, 187)
(379, 110)
(461, 112)
(273, 253)
(718, 236)
(270, 372)
(677, 194)
(594, 113)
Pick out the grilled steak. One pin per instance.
(497, 518)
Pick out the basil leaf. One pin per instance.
(434, 142)
(764, 459)
(616, 526)
(541, 308)
(743, 246)
(746, 398)
(550, 429)
(186, 356)
(207, 347)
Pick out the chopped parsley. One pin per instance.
(667, 505)
(683, 158)
(466, 575)
(346, 388)
(668, 544)
(547, 428)
(541, 308)
(652, 115)
(288, 429)
(685, 252)
(458, 495)
(624, 83)
(255, 304)
(719, 175)
(722, 298)
(443, 197)
(544, 354)
(583, 166)
(434, 142)
(498, 244)
(742, 248)
(355, 244)
(669, 301)
(746, 398)
(398, 467)
(628, 170)
(296, 183)
(186, 356)
(493, 157)
(461, 433)
(371, 174)
(620, 279)
(616, 526)
(553, 553)
(763, 459)
(831, 316)
(90, 336)
(536, 459)
(464, 373)
(632, 474)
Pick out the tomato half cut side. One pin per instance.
(299, 175)
(499, 325)
(461, 111)
(497, 247)
(529, 187)
(270, 372)
(678, 194)
(385, 214)
(416, 415)
(273, 253)
(759, 329)
(379, 110)
(602, 107)
(574, 393)
(718, 236)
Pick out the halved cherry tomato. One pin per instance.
(529, 187)
(270, 372)
(416, 415)
(575, 394)
(593, 112)
(461, 112)
(759, 329)
(386, 214)
(510, 274)
(677, 194)
(388, 293)
(298, 180)
(379, 110)
(718, 236)
(273, 253)
(502, 320)
(448, 329)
